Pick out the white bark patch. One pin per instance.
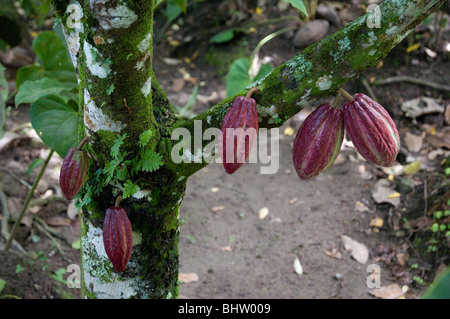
(95, 237)
(73, 37)
(324, 83)
(95, 119)
(118, 17)
(95, 61)
(111, 290)
(145, 44)
(146, 88)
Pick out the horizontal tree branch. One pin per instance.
(321, 69)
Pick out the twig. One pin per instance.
(42, 227)
(17, 178)
(5, 219)
(52, 231)
(369, 89)
(419, 81)
(27, 201)
(45, 201)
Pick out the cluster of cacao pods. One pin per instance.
(319, 139)
(117, 231)
(238, 132)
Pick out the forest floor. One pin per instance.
(245, 235)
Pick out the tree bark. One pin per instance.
(120, 99)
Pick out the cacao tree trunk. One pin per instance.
(110, 43)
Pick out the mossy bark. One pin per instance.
(111, 48)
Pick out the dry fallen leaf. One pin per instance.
(393, 291)
(414, 142)
(216, 209)
(227, 248)
(289, 131)
(292, 201)
(334, 253)
(376, 222)
(186, 278)
(357, 250)
(178, 85)
(381, 192)
(402, 258)
(298, 267)
(412, 168)
(420, 106)
(361, 207)
(263, 212)
(58, 221)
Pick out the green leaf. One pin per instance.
(263, 71)
(3, 98)
(35, 163)
(439, 288)
(115, 149)
(77, 244)
(55, 123)
(31, 91)
(51, 52)
(129, 188)
(149, 160)
(298, 4)
(223, 37)
(173, 11)
(237, 77)
(2, 285)
(30, 72)
(181, 4)
(144, 138)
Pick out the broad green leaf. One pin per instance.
(3, 98)
(439, 287)
(77, 244)
(51, 52)
(181, 4)
(35, 163)
(55, 123)
(173, 11)
(30, 72)
(223, 37)
(2, 285)
(31, 91)
(237, 77)
(299, 5)
(263, 71)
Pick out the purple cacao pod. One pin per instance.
(318, 141)
(118, 237)
(73, 172)
(239, 131)
(372, 130)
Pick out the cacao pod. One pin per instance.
(117, 237)
(73, 172)
(239, 131)
(372, 130)
(318, 141)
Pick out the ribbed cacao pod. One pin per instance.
(73, 172)
(117, 237)
(372, 130)
(239, 132)
(318, 141)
